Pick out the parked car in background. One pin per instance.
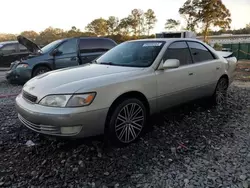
(11, 51)
(116, 94)
(56, 55)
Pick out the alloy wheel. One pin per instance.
(129, 122)
(221, 91)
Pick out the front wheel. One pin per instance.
(127, 122)
(40, 70)
(220, 93)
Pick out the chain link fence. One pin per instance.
(240, 50)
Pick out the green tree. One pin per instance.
(136, 21)
(150, 19)
(124, 26)
(98, 26)
(112, 25)
(172, 24)
(208, 13)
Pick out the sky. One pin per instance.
(20, 15)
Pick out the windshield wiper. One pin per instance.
(106, 63)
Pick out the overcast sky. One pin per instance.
(20, 15)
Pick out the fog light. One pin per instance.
(71, 130)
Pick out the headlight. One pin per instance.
(76, 100)
(81, 100)
(22, 65)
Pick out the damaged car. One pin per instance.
(59, 54)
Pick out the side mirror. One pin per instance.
(171, 64)
(56, 52)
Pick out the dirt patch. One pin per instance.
(243, 71)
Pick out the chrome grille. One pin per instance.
(45, 129)
(29, 97)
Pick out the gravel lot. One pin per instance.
(194, 145)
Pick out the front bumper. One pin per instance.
(51, 121)
(20, 75)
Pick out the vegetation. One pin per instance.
(202, 14)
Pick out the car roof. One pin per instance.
(87, 38)
(8, 42)
(167, 39)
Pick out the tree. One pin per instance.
(136, 21)
(172, 24)
(112, 25)
(248, 26)
(32, 35)
(124, 26)
(50, 34)
(98, 26)
(208, 13)
(188, 12)
(150, 19)
(74, 32)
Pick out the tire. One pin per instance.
(40, 70)
(122, 132)
(220, 93)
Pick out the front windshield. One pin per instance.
(50, 46)
(132, 54)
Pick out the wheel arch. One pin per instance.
(131, 94)
(225, 76)
(41, 65)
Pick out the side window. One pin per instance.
(180, 51)
(22, 48)
(106, 44)
(95, 45)
(8, 49)
(199, 52)
(70, 46)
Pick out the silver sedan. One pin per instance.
(118, 92)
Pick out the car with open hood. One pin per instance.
(116, 94)
(11, 51)
(58, 54)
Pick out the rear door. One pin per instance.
(92, 48)
(206, 69)
(8, 54)
(68, 54)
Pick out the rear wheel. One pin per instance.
(40, 70)
(127, 122)
(220, 93)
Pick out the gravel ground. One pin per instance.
(194, 145)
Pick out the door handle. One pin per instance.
(191, 73)
(73, 58)
(217, 68)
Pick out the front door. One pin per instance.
(174, 86)
(67, 55)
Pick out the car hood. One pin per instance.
(31, 46)
(70, 80)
